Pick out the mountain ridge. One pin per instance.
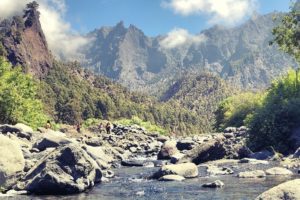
(241, 55)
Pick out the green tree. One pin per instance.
(18, 97)
(287, 33)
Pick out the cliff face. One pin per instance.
(241, 55)
(25, 43)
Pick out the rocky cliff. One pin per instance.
(24, 42)
(241, 55)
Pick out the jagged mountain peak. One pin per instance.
(25, 43)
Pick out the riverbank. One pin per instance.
(65, 162)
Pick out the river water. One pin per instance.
(130, 183)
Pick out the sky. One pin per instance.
(65, 22)
(151, 16)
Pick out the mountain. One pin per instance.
(23, 42)
(241, 55)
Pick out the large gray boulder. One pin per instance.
(212, 150)
(11, 160)
(167, 150)
(288, 190)
(187, 170)
(66, 170)
(98, 154)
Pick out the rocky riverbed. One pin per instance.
(47, 162)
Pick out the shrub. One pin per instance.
(18, 101)
(137, 121)
(237, 110)
(273, 123)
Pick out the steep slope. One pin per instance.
(200, 94)
(241, 55)
(23, 42)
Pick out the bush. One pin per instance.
(137, 121)
(237, 110)
(274, 122)
(18, 101)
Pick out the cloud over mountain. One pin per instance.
(178, 37)
(62, 40)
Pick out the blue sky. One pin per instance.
(148, 15)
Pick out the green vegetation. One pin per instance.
(18, 99)
(271, 117)
(287, 33)
(71, 95)
(137, 121)
(237, 110)
(201, 95)
(274, 122)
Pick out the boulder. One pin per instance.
(94, 142)
(287, 190)
(98, 154)
(212, 150)
(187, 170)
(50, 141)
(167, 150)
(171, 178)
(278, 171)
(132, 163)
(11, 160)
(66, 170)
(23, 128)
(253, 161)
(262, 155)
(176, 158)
(20, 130)
(215, 184)
(252, 174)
(214, 170)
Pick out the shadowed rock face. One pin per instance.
(67, 170)
(26, 44)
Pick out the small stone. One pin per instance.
(278, 171)
(215, 184)
(171, 178)
(132, 149)
(252, 174)
(140, 193)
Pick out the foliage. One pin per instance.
(201, 95)
(287, 33)
(237, 110)
(71, 95)
(279, 115)
(139, 122)
(18, 99)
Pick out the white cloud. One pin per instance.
(62, 40)
(179, 37)
(220, 11)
